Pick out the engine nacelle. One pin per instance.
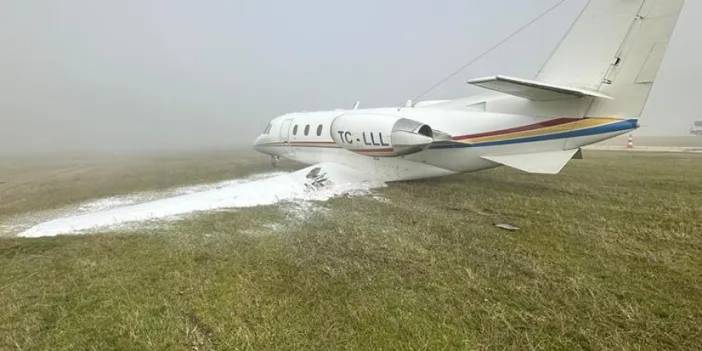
(380, 135)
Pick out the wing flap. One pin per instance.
(533, 90)
(551, 162)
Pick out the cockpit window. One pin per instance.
(307, 130)
(295, 130)
(319, 130)
(268, 129)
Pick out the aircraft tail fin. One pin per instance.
(533, 90)
(615, 47)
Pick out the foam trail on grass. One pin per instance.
(316, 183)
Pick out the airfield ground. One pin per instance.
(609, 256)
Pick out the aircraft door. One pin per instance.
(285, 130)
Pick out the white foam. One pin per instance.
(317, 183)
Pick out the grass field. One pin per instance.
(609, 256)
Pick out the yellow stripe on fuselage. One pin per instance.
(566, 127)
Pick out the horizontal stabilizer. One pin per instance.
(533, 90)
(551, 162)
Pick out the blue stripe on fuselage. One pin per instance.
(609, 128)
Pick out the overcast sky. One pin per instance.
(173, 74)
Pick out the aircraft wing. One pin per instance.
(551, 162)
(533, 90)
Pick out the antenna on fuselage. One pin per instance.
(355, 106)
(488, 51)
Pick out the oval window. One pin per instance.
(319, 130)
(295, 130)
(307, 130)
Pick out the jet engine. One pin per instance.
(380, 135)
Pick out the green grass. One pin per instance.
(29, 184)
(609, 256)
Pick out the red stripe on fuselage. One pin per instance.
(550, 123)
(374, 150)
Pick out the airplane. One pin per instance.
(593, 87)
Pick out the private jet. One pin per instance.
(593, 87)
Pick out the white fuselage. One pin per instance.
(596, 80)
(307, 137)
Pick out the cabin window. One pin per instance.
(319, 130)
(295, 130)
(307, 130)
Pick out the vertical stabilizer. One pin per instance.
(615, 47)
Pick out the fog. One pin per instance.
(173, 75)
